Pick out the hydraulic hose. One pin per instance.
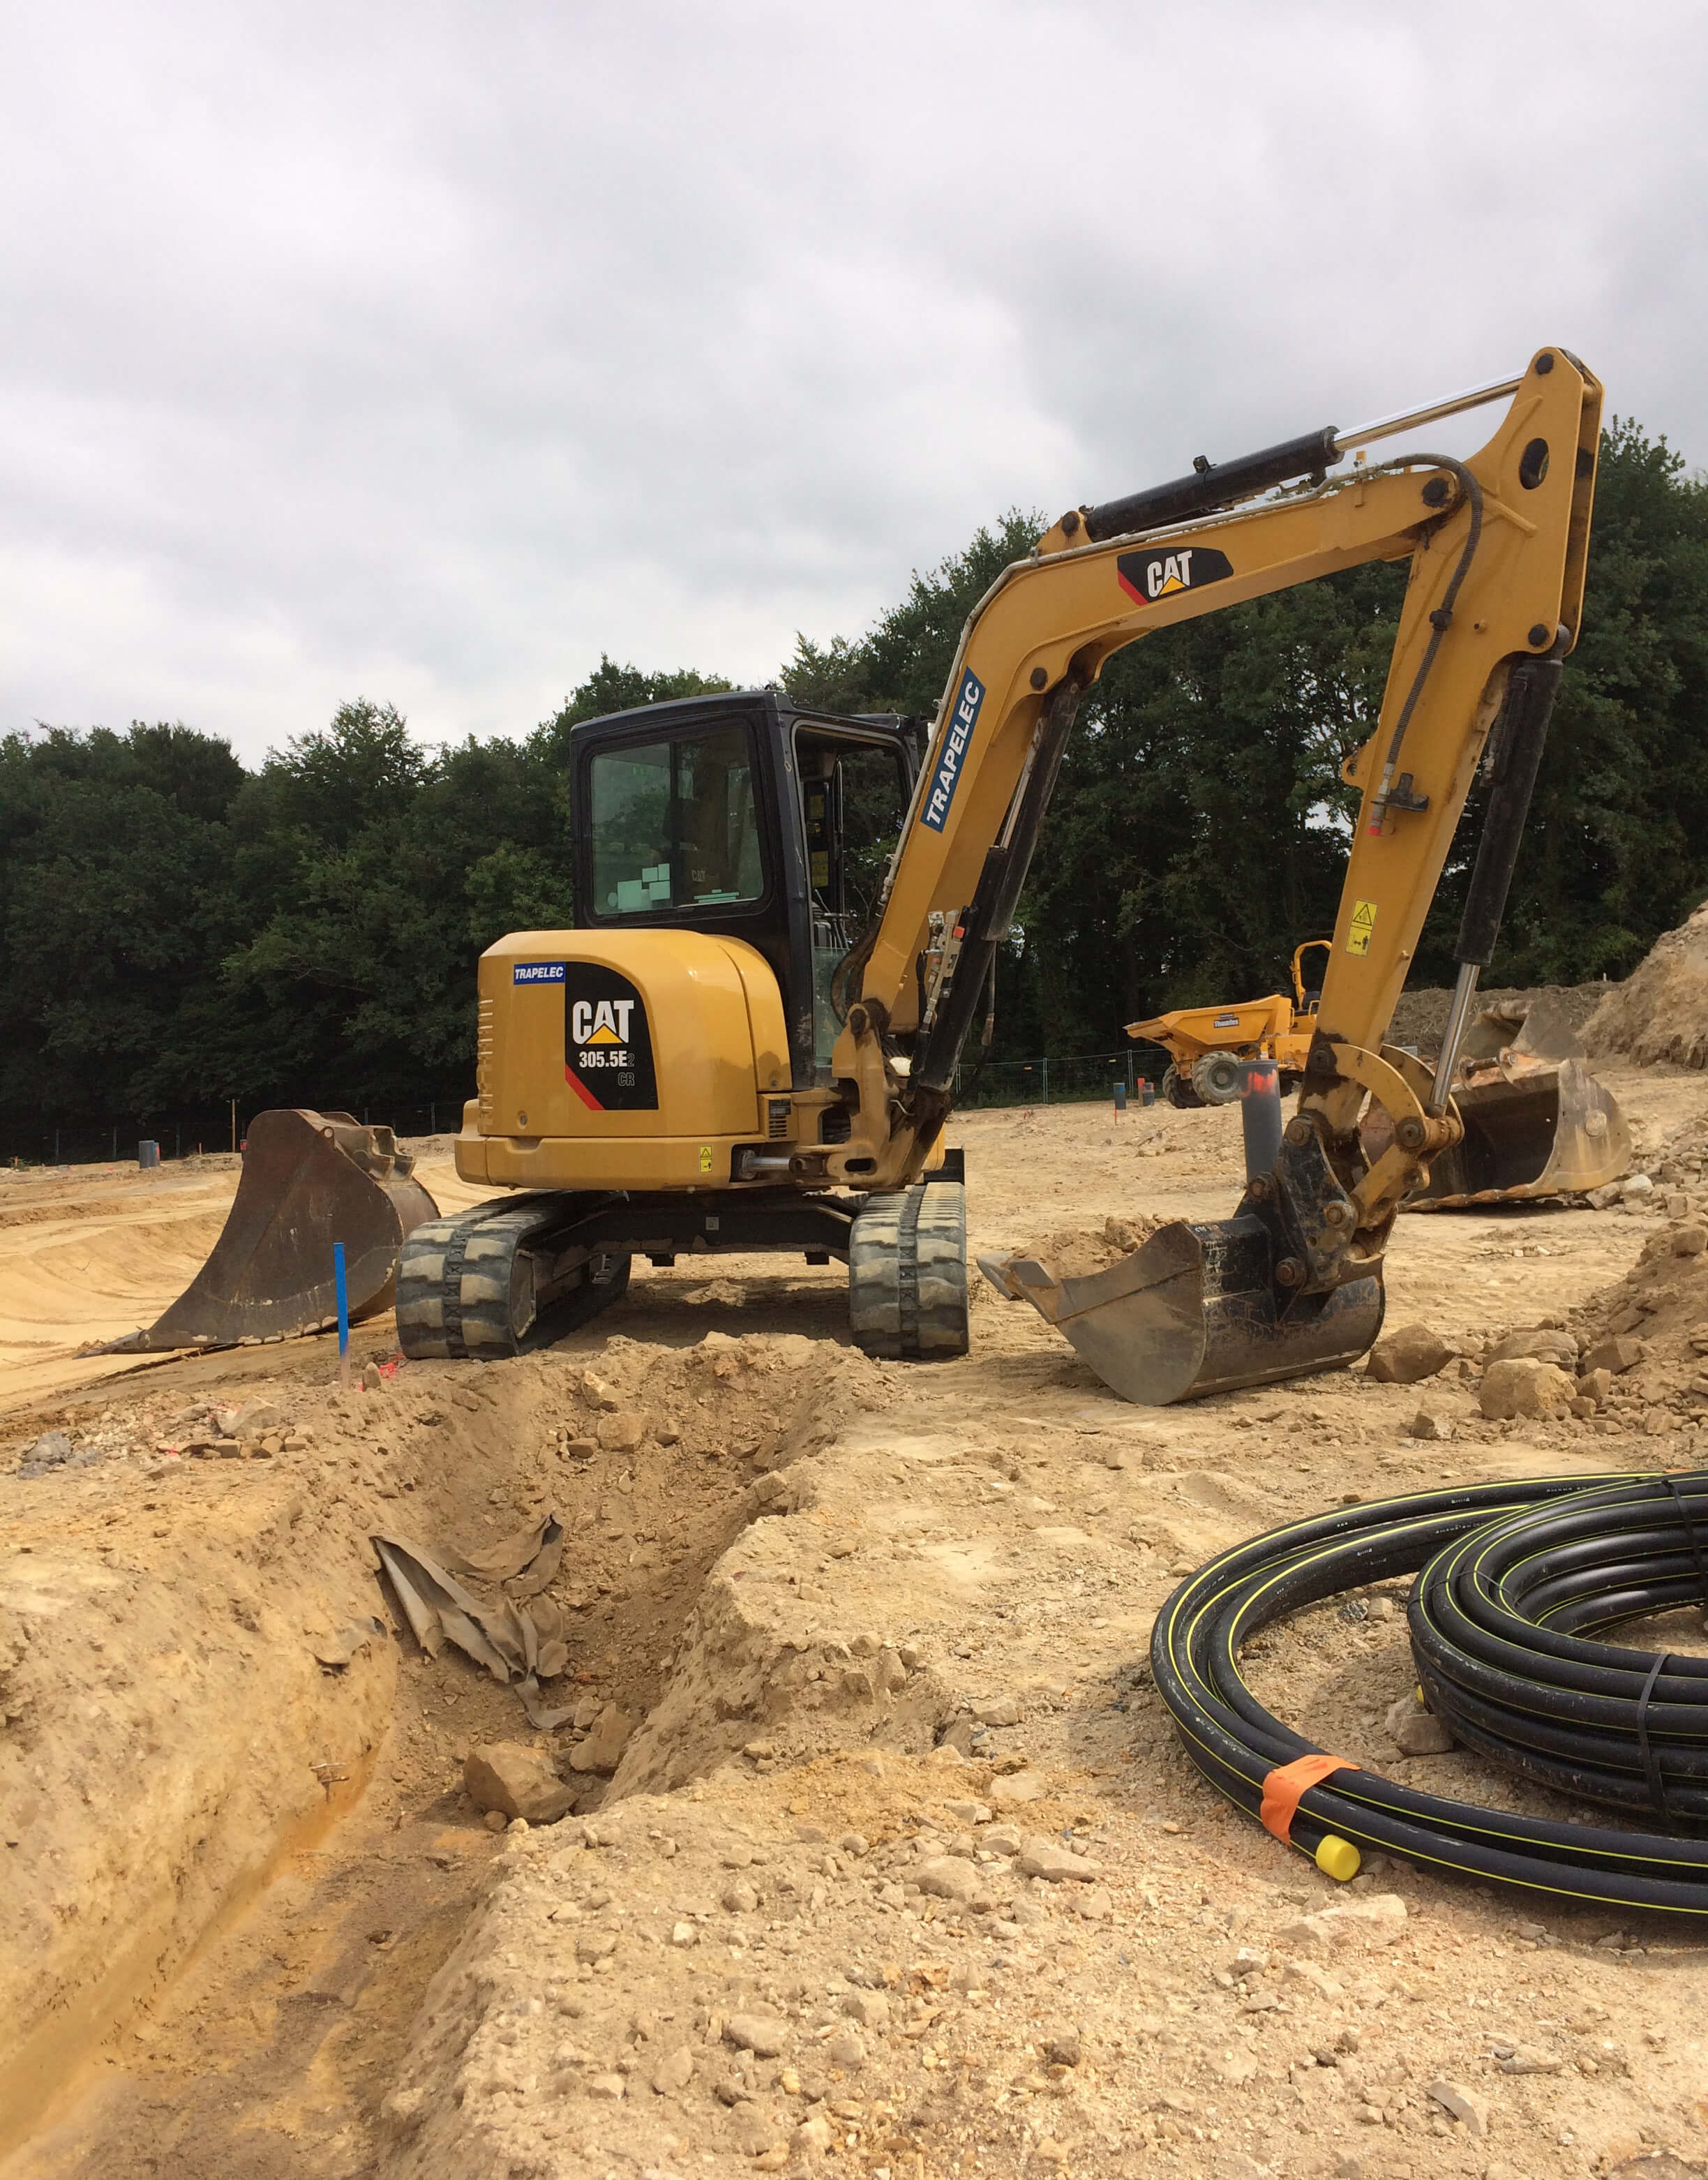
(1512, 1572)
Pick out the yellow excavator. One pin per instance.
(1208, 1047)
(749, 1039)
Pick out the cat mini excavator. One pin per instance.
(718, 1057)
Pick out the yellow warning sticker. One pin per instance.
(706, 1158)
(1363, 922)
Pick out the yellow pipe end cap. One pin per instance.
(1337, 1859)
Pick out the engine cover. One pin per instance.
(620, 1060)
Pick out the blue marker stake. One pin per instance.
(344, 1313)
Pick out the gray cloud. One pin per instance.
(425, 352)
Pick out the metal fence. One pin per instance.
(1077, 1078)
(29, 1142)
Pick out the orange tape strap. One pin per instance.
(1282, 1788)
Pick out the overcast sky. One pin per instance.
(423, 353)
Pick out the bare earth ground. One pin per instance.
(250, 1922)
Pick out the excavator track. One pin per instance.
(906, 1285)
(488, 1284)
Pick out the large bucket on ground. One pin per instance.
(1195, 1310)
(308, 1180)
(1537, 1123)
(1531, 1130)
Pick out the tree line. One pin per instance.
(178, 929)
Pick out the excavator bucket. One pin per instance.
(1532, 1129)
(1195, 1310)
(1537, 1123)
(308, 1180)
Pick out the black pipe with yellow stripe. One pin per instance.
(1511, 1573)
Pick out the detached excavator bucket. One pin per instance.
(1532, 1129)
(1195, 1310)
(1537, 1123)
(308, 1180)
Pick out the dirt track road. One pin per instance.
(255, 1925)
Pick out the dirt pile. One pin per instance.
(1646, 1335)
(885, 1631)
(1074, 1253)
(1660, 1011)
(1420, 1017)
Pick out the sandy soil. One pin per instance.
(255, 1924)
(89, 1253)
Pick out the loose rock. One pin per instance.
(1408, 1356)
(505, 1776)
(765, 2034)
(1619, 1352)
(1415, 1731)
(1042, 1857)
(1376, 1920)
(1524, 1387)
(1017, 1787)
(674, 2071)
(948, 1878)
(1543, 1345)
(1462, 2104)
(602, 1749)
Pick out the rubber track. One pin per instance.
(908, 1275)
(455, 1282)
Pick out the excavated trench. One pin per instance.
(242, 1859)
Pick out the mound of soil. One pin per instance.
(1420, 1018)
(1660, 1011)
(1074, 1253)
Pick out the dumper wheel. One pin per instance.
(1216, 1078)
(906, 1274)
(1178, 1091)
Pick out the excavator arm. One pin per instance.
(1496, 546)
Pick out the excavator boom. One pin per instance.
(1496, 546)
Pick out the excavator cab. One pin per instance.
(747, 818)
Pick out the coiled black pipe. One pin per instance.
(1497, 1625)
(1597, 1549)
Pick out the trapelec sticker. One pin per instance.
(607, 1047)
(1150, 577)
(948, 775)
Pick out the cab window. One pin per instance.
(675, 824)
(853, 796)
